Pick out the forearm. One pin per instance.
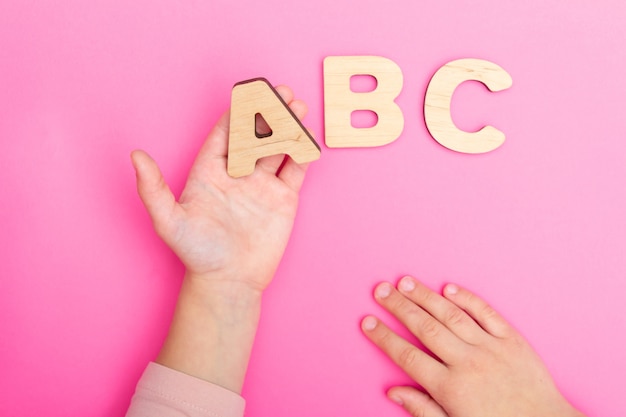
(212, 331)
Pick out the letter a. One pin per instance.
(439, 96)
(340, 101)
(287, 135)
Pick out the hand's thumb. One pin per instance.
(153, 191)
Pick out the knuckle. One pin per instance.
(425, 295)
(397, 304)
(388, 342)
(408, 357)
(429, 328)
(384, 340)
(471, 299)
(487, 312)
(455, 317)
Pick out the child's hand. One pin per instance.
(484, 367)
(224, 228)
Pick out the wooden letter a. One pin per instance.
(287, 135)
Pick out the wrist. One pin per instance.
(210, 290)
(230, 279)
(213, 330)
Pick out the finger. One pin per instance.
(216, 144)
(211, 160)
(271, 164)
(292, 174)
(479, 310)
(446, 312)
(153, 191)
(285, 92)
(415, 402)
(430, 331)
(425, 370)
(299, 108)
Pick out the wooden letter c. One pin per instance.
(439, 97)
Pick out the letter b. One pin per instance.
(340, 101)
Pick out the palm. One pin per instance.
(233, 226)
(226, 222)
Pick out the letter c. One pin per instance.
(439, 96)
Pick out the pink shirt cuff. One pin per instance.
(164, 392)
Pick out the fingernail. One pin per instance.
(369, 323)
(406, 284)
(383, 290)
(451, 289)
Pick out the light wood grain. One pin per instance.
(340, 101)
(288, 136)
(439, 97)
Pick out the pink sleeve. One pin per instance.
(164, 392)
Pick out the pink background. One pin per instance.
(537, 227)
